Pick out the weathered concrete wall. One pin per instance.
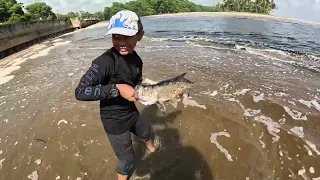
(13, 37)
(82, 23)
(19, 33)
(86, 23)
(23, 28)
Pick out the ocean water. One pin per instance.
(253, 112)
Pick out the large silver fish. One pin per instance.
(169, 90)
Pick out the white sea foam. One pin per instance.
(187, 101)
(38, 161)
(272, 127)
(281, 94)
(251, 112)
(213, 140)
(315, 104)
(298, 131)
(311, 170)
(214, 93)
(307, 103)
(263, 145)
(241, 92)
(313, 147)
(291, 102)
(302, 172)
(296, 115)
(258, 98)
(1, 161)
(282, 121)
(34, 175)
(62, 121)
(308, 149)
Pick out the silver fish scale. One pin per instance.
(161, 93)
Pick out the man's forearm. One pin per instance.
(93, 93)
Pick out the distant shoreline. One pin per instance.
(214, 13)
(223, 14)
(238, 14)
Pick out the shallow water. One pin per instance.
(253, 114)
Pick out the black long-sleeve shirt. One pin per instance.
(117, 114)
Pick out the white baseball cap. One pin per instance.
(124, 22)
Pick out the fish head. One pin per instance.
(146, 94)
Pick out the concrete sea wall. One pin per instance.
(14, 37)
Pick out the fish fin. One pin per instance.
(174, 102)
(181, 78)
(162, 107)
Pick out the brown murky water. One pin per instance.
(249, 117)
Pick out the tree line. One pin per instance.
(252, 6)
(11, 11)
(153, 7)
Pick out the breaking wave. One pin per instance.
(297, 58)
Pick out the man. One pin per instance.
(111, 79)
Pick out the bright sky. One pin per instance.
(298, 9)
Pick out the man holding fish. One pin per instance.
(115, 79)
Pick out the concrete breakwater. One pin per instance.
(14, 37)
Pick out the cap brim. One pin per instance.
(122, 31)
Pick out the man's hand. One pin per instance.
(127, 92)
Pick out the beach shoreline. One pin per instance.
(237, 14)
(221, 14)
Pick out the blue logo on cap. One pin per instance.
(121, 24)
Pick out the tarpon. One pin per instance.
(169, 90)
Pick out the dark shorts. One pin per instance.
(122, 145)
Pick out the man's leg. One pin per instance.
(122, 147)
(144, 132)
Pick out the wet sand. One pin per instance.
(217, 134)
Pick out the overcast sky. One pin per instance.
(298, 9)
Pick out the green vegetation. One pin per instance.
(252, 6)
(40, 10)
(11, 11)
(152, 7)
